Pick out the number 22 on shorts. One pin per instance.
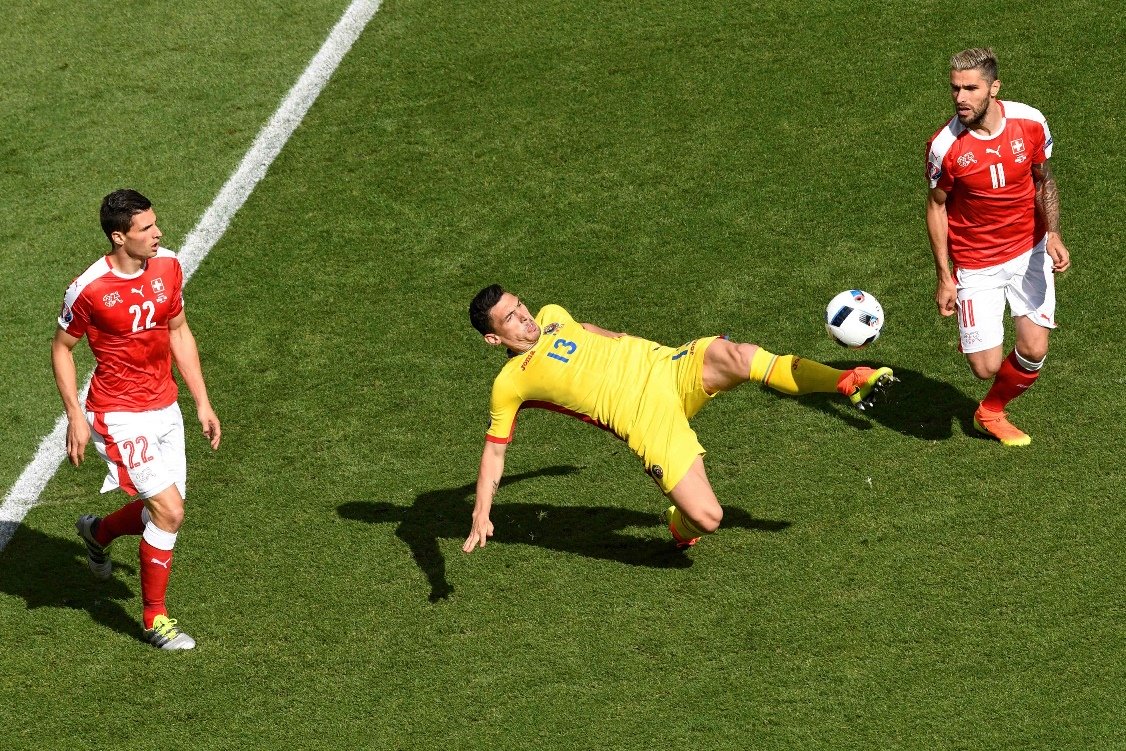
(132, 447)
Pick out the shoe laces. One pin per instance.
(165, 627)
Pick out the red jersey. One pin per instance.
(991, 197)
(125, 319)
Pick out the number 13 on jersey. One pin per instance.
(563, 344)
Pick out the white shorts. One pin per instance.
(1026, 283)
(144, 451)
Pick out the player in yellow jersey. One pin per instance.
(640, 390)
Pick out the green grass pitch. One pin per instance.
(674, 169)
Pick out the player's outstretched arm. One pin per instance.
(488, 480)
(185, 354)
(938, 232)
(66, 378)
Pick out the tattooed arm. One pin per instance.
(1048, 206)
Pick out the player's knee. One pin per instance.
(1031, 356)
(984, 370)
(709, 519)
(736, 357)
(745, 351)
(166, 511)
(170, 520)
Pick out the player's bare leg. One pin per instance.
(986, 363)
(1032, 339)
(1012, 376)
(166, 509)
(695, 511)
(727, 365)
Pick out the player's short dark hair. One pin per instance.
(977, 58)
(118, 209)
(481, 307)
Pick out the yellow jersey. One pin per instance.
(574, 371)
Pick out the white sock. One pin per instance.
(158, 538)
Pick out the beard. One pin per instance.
(975, 118)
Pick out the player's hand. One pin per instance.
(478, 536)
(945, 296)
(1057, 251)
(210, 422)
(77, 436)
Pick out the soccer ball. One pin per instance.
(854, 318)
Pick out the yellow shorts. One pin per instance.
(674, 393)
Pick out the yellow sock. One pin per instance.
(793, 375)
(683, 530)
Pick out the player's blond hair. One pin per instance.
(977, 58)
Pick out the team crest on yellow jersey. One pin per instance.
(551, 328)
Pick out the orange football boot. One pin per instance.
(997, 425)
(862, 385)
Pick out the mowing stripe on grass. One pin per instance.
(24, 494)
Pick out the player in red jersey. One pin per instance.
(993, 211)
(129, 304)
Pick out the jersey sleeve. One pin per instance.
(1044, 153)
(1034, 127)
(176, 287)
(503, 406)
(938, 175)
(74, 318)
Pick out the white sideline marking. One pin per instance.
(24, 494)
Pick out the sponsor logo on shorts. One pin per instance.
(969, 338)
(965, 160)
(113, 298)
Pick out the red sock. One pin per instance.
(125, 521)
(1010, 382)
(156, 565)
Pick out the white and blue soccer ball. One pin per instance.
(854, 318)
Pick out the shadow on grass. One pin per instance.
(592, 531)
(917, 406)
(51, 572)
